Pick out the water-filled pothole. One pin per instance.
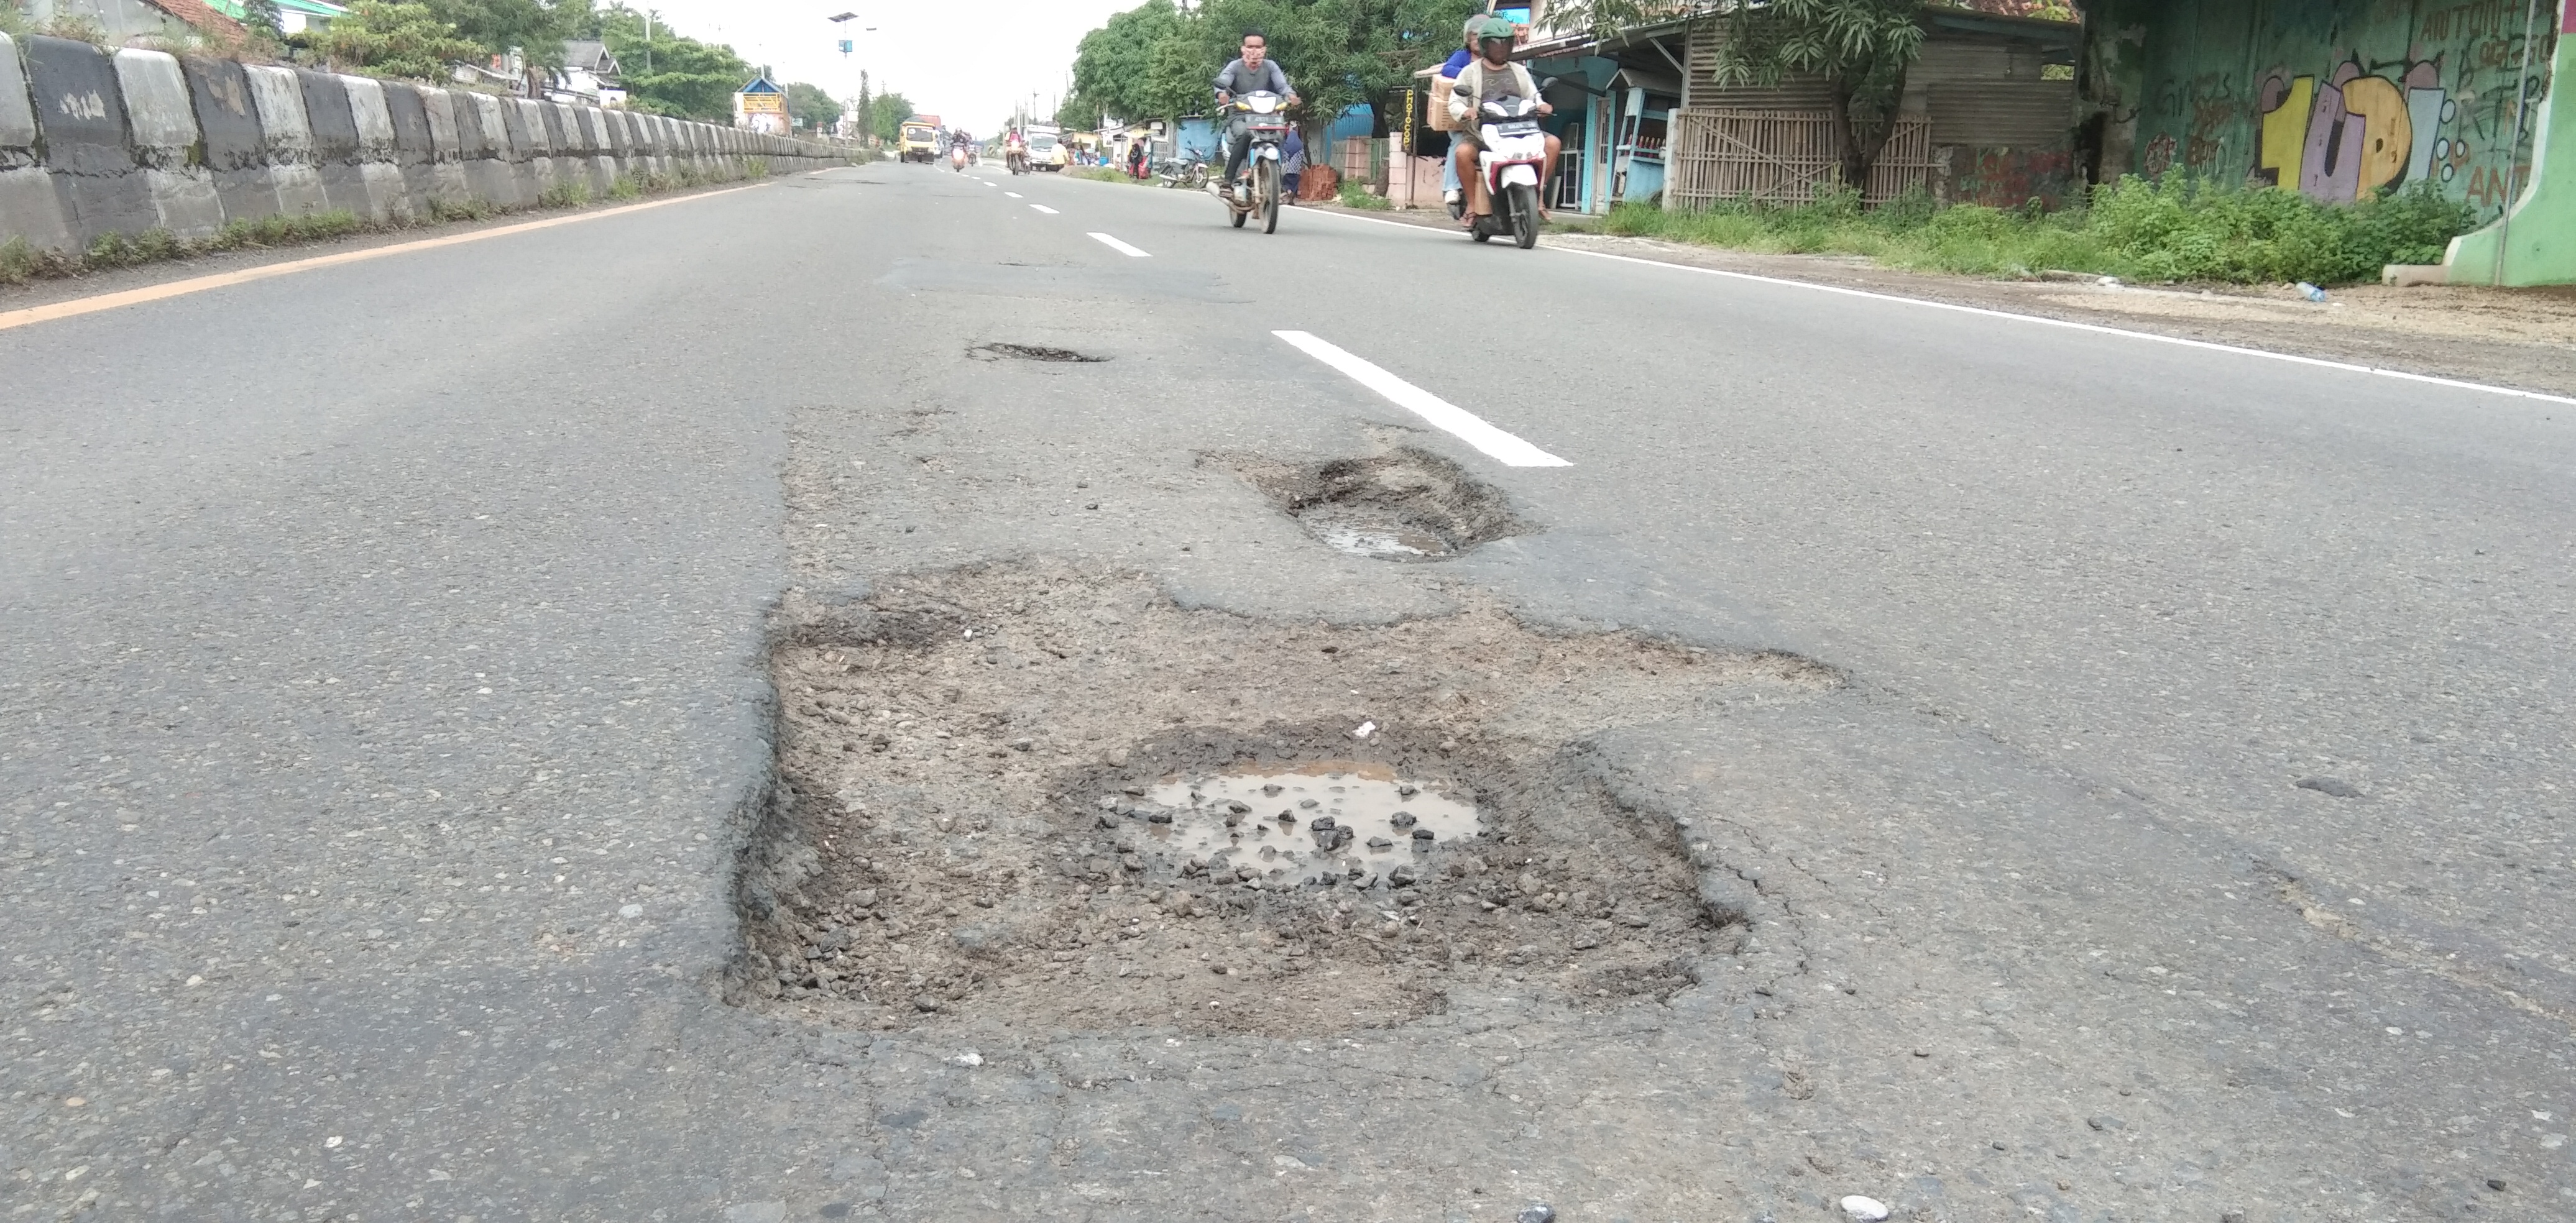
(1031, 352)
(1406, 505)
(1004, 793)
(1330, 822)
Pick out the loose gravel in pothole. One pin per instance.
(1406, 505)
(1048, 797)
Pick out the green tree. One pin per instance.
(392, 38)
(537, 27)
(889, 111)
(261, 17)
(1147, 62)
(686, 78)
(1155, 61)
(1862, 48)
(811, 106)
(1076, 113)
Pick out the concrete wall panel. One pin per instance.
(286, 138)
(499, 177)
(603, 155)
(92, 144)
(29, 207)
(235, 150)
(80, 116)
(335, 141)
(541, 144)
(388, 196)
(446, 149)
(415, 151)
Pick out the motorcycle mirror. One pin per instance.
(1549, 83)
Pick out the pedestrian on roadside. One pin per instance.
(1292, 161)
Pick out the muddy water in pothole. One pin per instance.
(1326, 822)
(1391, 541)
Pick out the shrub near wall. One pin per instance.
(99, 147)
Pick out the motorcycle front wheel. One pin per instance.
(1270, 197)
(1524, 215)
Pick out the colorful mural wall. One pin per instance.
(2332, 97)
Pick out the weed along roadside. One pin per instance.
(2180, 230)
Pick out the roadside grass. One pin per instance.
(1355, 196)
(2178, 230)
(1101, 174)
(21, 262)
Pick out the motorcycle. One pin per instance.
(1017, 158)
(1264, 116)
(1513, 162)
(1189, 172)
(957, 157)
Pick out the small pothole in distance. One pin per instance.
(1031, 352)
(976, 824)
(1405, 505)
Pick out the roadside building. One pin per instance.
(1988, 116)
(589, 74)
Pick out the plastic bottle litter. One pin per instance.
(2109, 282)
(2311, 292)
(1867, 1210)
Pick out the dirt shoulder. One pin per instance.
(2521, 338)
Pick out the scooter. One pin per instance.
(1265, 120)
(1513, 162)
(957, 157)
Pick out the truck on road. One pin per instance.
(920, 139)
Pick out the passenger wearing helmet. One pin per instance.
(1253, 72)
(1458, 61)
(1491, 78)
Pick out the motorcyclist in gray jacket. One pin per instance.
(1252, 73)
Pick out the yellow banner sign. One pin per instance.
(764, 104)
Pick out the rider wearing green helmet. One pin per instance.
(1492, 77)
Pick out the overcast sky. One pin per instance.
(966, 61)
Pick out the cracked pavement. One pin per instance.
(380, 738)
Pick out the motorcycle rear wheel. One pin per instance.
(1524, 215)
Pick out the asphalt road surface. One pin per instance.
(383, 710)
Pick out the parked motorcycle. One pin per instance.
(1188, 172)
(1264, 116)
(1513, 162)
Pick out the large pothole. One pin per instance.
(1406, 505)
(1044, 797)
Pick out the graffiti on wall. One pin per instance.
(2351, 131)
(2339, 99)
(2011, 178)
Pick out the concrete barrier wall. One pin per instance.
(94, 143)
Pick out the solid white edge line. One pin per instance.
(1043, 208)
(1121, 247)
(2044, 320)
(1474, 430)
